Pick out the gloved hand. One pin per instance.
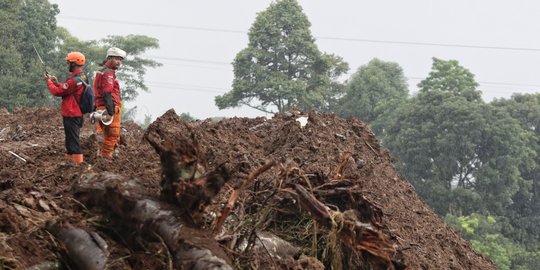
(54, 80)
(109, 104)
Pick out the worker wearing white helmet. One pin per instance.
(116, 52)
(108, 97)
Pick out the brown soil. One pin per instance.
(40, 190)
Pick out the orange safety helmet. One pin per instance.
(76, 57)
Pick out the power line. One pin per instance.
(186, 85)
(195, 66)
(153, 24)
(188, 60)
(483, 83)
(500, 84)
(186, 89)
(219, 90)
(220, 30)
(431, 44)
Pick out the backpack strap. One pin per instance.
(79, 78)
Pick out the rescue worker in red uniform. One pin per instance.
(108, 97)
(71, 92)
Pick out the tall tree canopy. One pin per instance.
(24, 24)
(524, 214)
(373, 91)
(32, 23)
(282, 67)
(462, 155)
(451, 77)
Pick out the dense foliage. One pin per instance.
(282, 68)
(373, 92)
(32, 24)
(475, 163)
(461, 154)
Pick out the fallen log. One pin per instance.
(85, 250)
(126, 198)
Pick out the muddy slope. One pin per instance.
(327, 150)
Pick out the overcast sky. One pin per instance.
(498, 41)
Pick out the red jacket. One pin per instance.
(107, 83)
(71, 92)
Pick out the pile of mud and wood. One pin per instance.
(298, 191)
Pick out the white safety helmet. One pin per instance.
(116, 52)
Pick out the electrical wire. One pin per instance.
(220, 30)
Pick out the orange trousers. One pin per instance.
(111, 133)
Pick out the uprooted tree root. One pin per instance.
(338, 238)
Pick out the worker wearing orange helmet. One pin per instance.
(70, 92)
(108, 97)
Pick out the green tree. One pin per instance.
(328, 70)
(449, 76)
(24, 24)
(187, 117)
(525, 211)
(486, 236)
(282, 68)
(375, 90)
(32, 23)
(462, 155)
(10, 31)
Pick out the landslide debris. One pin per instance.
(298, 191)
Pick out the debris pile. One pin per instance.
(298, 191)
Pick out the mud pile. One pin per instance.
(314, 191)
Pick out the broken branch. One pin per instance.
(236, 192)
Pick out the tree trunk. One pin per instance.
(190, 248)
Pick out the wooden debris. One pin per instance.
(43, 204)
(190, 248)
(87, 251)
(356, 235)
(184, 178)
(236, 192)
(17, 156)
